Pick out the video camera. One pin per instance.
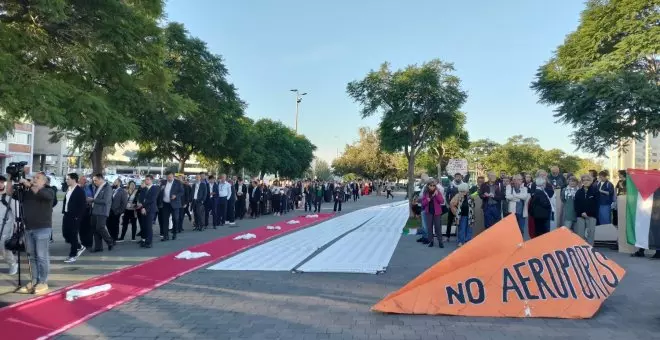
(16, 171)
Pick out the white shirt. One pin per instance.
(224, 189)
(196, 190)
(166, 195)
(68, 198)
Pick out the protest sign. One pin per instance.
(456, 165)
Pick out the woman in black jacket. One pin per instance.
(586, 209)
(541, 208)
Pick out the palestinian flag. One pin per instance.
(643, 208)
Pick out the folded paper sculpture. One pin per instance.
(497, 274)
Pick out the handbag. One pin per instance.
(15, 242)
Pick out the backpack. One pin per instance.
(54, 195)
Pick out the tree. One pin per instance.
(413, 102)
(449, 141)
(524, 154)
(91, 69)
(283, 152)
(365, 158)
(321, 170)
(605, 79)
(199, 78)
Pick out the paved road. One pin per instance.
(280, 305)
(128, 253)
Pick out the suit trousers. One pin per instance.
(86, 230)
(101, 232)
(337, 204)
(113, 225)
(70, 229)
(198, 211)
(146, 226)
(221, 211)
(240, 208)
(231, 210)
(254, 208)
(209, 207)
(165, 227)
(317, 204)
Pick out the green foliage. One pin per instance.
(366, 159)
(521, 154)
(321, 170)
(605, 79)
(283, 152)
(213, 104)
(413, 102)
(449, 141)
(90, 68)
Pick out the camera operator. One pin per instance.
(7, 226)
(38, 219)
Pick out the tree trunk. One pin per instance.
(182, 165)
(411, 177)
(97, 157)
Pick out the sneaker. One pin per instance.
(27, 289)
(232, 223)
(40, 288)
(13, 269)
(70, 260)
(80, 251)
(121, 240)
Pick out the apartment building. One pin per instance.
(18, 146)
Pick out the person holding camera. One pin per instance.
(101, 204)
(38, 219)
(7, 227)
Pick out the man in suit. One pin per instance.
(119, 200)
(148, 209)
(231, 202)
(74, 208)
(211, 204)
(185, 202)
(172, 195)
(241, 193)
(223, 190)
(255, 200)
(101, 204)
(86, 230)
(199, 195)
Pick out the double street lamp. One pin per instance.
(298, 100)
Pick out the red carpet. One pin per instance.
(49, 315)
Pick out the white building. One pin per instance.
(18, 146)
(644, 154)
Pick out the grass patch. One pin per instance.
(416, 223)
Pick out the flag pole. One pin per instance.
(646, 152)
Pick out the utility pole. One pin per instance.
(298, 100)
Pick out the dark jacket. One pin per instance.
(586, 202)
(202, 193)
(77, 203)
(606, 199)
(177, 191)
(119, 200)
(255, 195)
(548, 189)
(541, 206)
(38, 209)
(187, 194)
(242, 188)
(148, 198)
(499, 194)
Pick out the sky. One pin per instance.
(271, 47)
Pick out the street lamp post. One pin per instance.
(298, 100)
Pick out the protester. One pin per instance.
(605, 199)
(541, 208)
(518, 199)
(492, 194)
(586, 210)
(567, 196)
(432, 202)
(462, 207)
(38, 219)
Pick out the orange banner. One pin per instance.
(557, 275)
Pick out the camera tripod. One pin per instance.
(18, 230)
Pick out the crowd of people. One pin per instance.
(97, 215)
(588, 200)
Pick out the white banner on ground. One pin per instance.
(456, 165)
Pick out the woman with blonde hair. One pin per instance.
(462, 207)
